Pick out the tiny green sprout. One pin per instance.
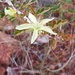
(36, 26)
(10, 11)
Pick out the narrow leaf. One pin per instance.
(60, 24)
(43, 10)
(55, 7)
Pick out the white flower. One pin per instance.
(36, 26)
(11, 12)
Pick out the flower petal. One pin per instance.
(10, 12)
(47, 29)
(24, 26)
(44, 21)
(32, 18)
(7, 11)
(34, 36)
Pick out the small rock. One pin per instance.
(52, 67)
(42, 39)
(63, 74)
(3, 5)
(8, 46)
(2, 70)
(46, 2)
(6, 25)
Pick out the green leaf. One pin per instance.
(60, 23)
(68, 1)
(18, 32)
(71, 11)
(30, 3)
(2, 14)
(42, 11)
(55, 7)
(32, 0)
